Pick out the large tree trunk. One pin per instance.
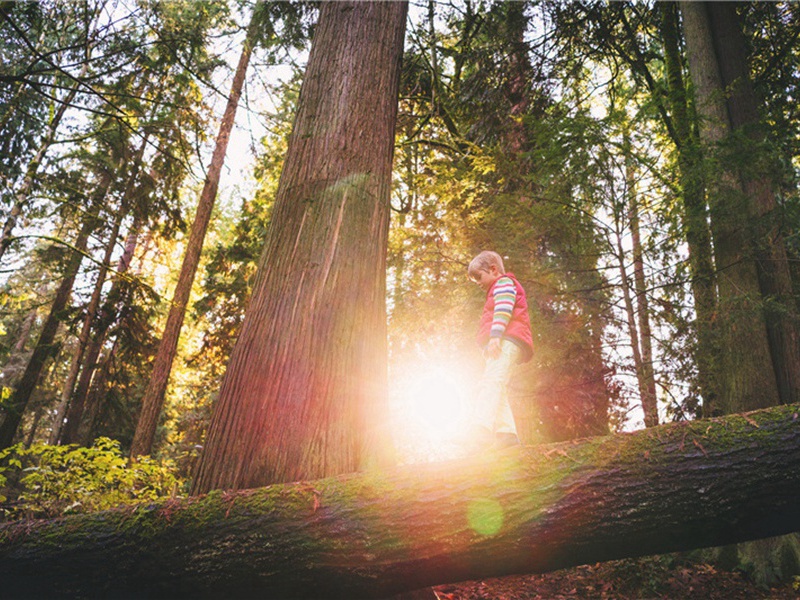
(153, 400)
(745, 370)
(758, 204)
(772, 261)
(304, 395)
(524, 510)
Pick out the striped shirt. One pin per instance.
(505, 295)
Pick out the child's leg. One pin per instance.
(492, 409)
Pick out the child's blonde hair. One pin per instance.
(484, 261)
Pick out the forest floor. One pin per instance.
(632, 579)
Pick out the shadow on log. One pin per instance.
(372, 535)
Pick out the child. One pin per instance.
(505, 335)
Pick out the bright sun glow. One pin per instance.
(430, 410)
(438, 403)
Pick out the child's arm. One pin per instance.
(505, 296)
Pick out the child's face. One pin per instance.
(485, 278)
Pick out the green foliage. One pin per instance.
(47, 481)
(510, 136)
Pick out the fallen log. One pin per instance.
(371, 535)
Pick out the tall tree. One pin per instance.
(647, 383)
(68, 386)
(746, 202)
(100, 321)
(86, 34)
(775, 281)
(45, 348)
(695, 212)
(745, 370)
(304, 393)
(153, 399)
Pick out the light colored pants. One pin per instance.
(492, 409)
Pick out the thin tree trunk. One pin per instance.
(633, 330)
(434, 55)
(71, 432)
(96, 397)
(437, 108)
(64, 407)
(23, 193)
(14, 365)
(648, 384)
(83, 336)
(746, 373)
(18, 401)
(37, 418)
(529, 509)
(94, 303)
(695, 213)
(153, 400)
(305, 393)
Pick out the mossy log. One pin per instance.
(372, 535)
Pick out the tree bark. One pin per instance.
(528, 509)
(773, 265)
(153, 400)
(45, 347)
(695, 212)
(76, 360)
(304, 395)
(645, 372)
(81, 408)
(745, 368)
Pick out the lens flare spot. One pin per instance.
(485, 516)
(437, 403)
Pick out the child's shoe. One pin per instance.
(505, 440)
(478, 439)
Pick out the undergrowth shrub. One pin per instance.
(48, 481)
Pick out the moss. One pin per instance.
(410, 514)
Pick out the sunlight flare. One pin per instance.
(431, 409)
(437, 403)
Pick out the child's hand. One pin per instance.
(493, 348)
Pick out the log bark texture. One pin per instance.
(371, 535)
